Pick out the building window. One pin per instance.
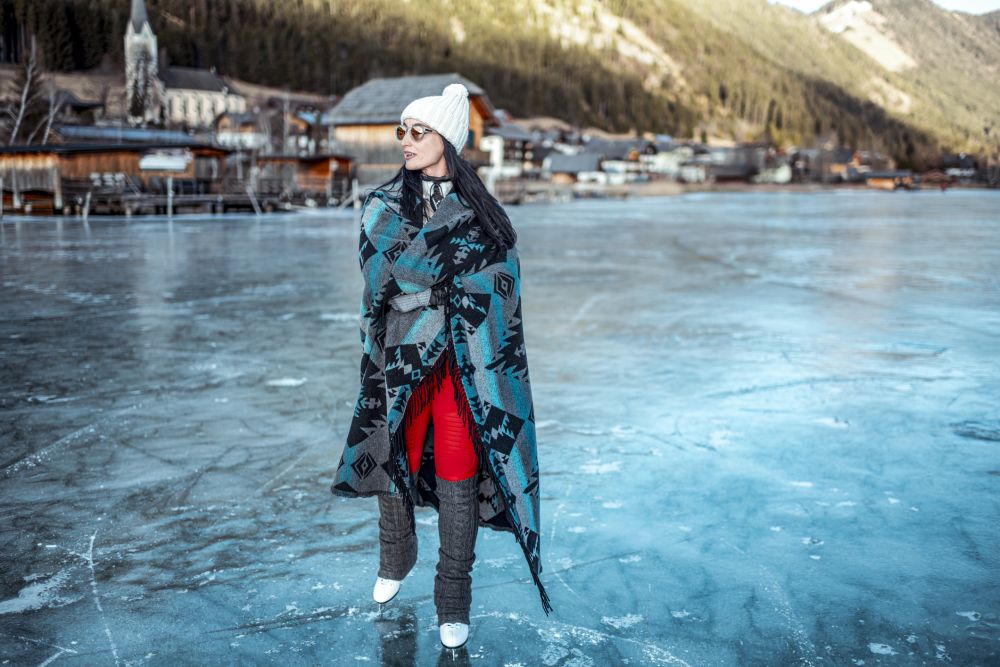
(470, 142)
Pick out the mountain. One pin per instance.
(991, 19)
(945, 64)
(849, 73)
(813, 85)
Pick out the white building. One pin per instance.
(185, 96)
(194, 97)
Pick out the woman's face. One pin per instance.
(426, 154)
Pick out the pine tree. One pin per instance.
(141, 87)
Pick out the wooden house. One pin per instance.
(317, 176)
(889, 180)
(240, 131)
(510, 146)
(53, 178)
(962, 167)
(362, 123)
(625, 159)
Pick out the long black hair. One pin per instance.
(470, 189)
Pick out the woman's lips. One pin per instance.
(407, 155)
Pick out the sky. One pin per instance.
(971, 6)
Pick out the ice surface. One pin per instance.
(768, 425)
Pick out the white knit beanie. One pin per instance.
(448, 113)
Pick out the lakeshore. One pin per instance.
(140, 205)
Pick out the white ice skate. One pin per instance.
(385, 589)
(454, 635)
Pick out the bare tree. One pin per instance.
(28, 80)
(55, 101)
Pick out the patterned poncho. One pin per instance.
(478, 329)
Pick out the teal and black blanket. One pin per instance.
(443, 291)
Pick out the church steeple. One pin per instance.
(142, 84)
(139, 15)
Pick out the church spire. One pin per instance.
(143, 90)
(139, 15)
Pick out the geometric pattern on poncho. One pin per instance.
(479, 331)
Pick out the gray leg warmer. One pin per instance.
(458, 525)
(397, 538)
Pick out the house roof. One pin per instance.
(67, 98)
(123, 134)
(540, 152)
(574, 164)
(618, 149)
(193, 78)
(310, 117)
(511, 132)
(238, 117)
(381, 100)
(842, 155)
(103, 148)
(960, 160)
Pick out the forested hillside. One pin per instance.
(738, 69)
(938, 68)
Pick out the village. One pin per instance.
(164, 139)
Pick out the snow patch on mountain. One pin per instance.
(589, 24)
(859, 23)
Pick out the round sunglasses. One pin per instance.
(417, 131)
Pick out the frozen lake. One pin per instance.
(768, 425)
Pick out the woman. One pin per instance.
(444, 416)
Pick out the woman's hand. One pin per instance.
(432, 296)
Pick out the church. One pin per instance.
(182, 96)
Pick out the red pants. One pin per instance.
(454, 454)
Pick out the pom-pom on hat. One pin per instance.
(448, 113)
